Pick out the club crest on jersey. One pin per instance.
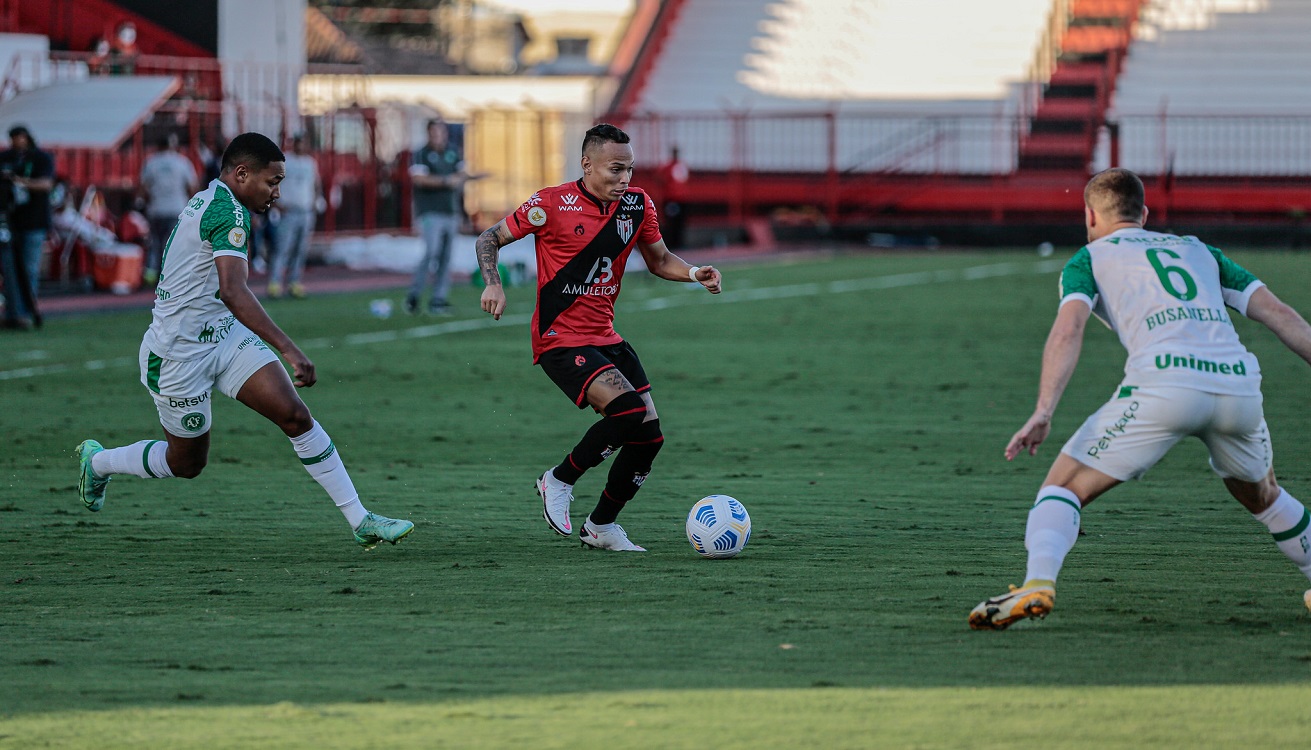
(536, 216)
(625, 228)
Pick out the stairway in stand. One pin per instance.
(1074, 103)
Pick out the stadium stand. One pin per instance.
(861, 112)
(1091, 46)
(904, 115)
(1216, 88)
(902, 99)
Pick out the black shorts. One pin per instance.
(573, 369)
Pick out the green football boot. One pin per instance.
(91, 486)
(375, 528)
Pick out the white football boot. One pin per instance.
(556, 497)
(609, 536)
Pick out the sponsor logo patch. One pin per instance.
(181, 403)
(580, 360)
(578, 230)
(1117, 429)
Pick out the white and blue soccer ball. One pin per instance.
(718, 526)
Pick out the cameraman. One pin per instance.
(33, 173)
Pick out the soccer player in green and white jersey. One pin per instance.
(1187, 374)
(210, 331)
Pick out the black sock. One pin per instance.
(606, 510)
(627, 473)
(600, 440)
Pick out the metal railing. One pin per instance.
(1267, 146)
(866, 143)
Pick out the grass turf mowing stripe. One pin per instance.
(1201, 716)
(892, 281)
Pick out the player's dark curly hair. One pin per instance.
(602, 134)
(254, 150)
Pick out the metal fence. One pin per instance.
(1208, 145)
(910, 143)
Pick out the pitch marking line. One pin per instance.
(892, 281)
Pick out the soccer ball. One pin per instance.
(718, 526)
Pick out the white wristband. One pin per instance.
(691, 272)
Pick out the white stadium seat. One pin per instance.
(898, 93)
(1216, 87)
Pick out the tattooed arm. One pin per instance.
(488, 246)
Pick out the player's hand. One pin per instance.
(710, 278)
(302, 369)
(493, 300)
(1029, 437)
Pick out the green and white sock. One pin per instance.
(1052, 530)
(1290, 523)
(322, 461)
(145, 458)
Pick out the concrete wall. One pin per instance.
(262, 49)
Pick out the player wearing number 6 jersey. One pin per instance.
(1169, 299)
(585, 231)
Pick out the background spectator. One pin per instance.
(673, 183)
(211, 157)
(31, 172)
(168, 181)
(123, 59)
(438, 175)
(264, 238)
(100, 52)
(302, 195)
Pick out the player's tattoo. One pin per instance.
(488, 246)
(614, 379)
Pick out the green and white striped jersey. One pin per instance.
(189, 318)
(1166, 298)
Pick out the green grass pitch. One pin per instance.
(856, 404)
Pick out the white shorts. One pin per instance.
(182, 389)
(1138, 426)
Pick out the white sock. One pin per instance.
(323, 463)
(145, 458)
(1052, 530)
(1290, 524)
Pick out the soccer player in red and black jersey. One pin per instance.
(585, 232)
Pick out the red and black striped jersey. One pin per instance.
(582, 246)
